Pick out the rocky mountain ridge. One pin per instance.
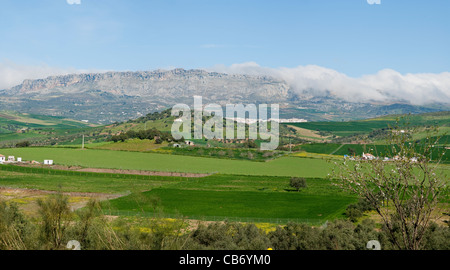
(165, 84)
(118, 96)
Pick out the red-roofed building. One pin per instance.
(368, 156)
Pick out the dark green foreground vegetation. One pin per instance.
(56, 225)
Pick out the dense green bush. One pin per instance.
(228, 236)
(15, 230)
(356, 211)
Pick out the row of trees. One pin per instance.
(150, 134)
(23, 144)
(154, 116)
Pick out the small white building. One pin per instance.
(11, 158)
(176, 145)
(19, 159)
(2, 158)
(190, 143)
(48, 162)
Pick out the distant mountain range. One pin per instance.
(119, 96)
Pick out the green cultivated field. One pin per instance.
(285, 166)
(18, 120)
(222, 196)
(346, 128)
(237, 196)
(70, 181)
(240, 204)
(365, 126)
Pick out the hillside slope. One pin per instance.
(19, 127)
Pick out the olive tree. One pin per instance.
(297, 183)
(56, 215)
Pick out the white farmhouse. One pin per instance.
(11, 158)
(2, 158)
(48, 162)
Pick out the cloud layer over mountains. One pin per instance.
(384, 86)
(12, 74)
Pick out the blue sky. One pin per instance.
(349, 36)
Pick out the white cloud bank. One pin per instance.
(12, 74)
(385, 86)
(74, 2)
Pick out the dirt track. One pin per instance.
(115, 171)
(27, 198)
(142, 172)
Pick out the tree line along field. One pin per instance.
(222, 196)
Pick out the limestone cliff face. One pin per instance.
(169, 86)
(119, 96)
